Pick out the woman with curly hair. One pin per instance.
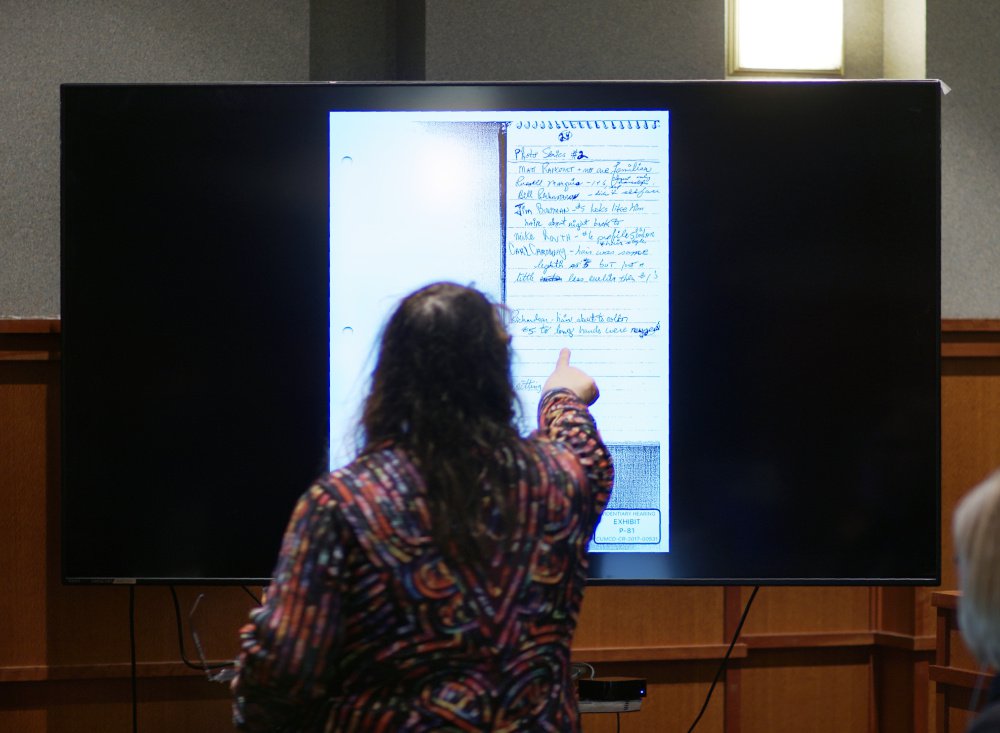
(434, 582)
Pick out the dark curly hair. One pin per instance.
(442, 391)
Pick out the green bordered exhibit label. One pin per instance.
(629, 526)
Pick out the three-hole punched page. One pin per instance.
(561, 215)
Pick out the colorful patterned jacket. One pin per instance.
(368, 627)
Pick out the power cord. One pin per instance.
(250, 593)
(725, 659)
(223, 671)
(204, 666)
(228, 668)
(577, 669)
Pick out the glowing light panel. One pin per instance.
(788, 35)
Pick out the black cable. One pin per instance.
(725, 659)
(131, 639)
(204, 666)
(250, 593)
(618, 723)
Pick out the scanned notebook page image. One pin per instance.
(562, 216)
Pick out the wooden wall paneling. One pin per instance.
(649, 616)
(954, 698)
(942, 658)
(970, 418)
(894, 610)
(735, 607)
(818, 690)
(970, 450)
(958, 715)
(905, 642)
(959, 679)
(26, 462)
(781, 610)
(827, 632)
(951, 651)
(29, 380)
(901, 691)
(970, 439)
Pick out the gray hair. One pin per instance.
(976, 527)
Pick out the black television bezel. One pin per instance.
(630, 569)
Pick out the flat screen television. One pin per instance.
(750, 270)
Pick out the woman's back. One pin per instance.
(391, 632)
(434, 583)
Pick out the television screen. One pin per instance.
(749, 270)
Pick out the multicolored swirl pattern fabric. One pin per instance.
(367, 627)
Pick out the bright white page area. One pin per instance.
(563, 216)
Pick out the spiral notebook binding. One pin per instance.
(609, 124)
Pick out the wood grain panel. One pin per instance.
(970, 338)
(901, 699)
(954, 716)
(893, 610)
(28, 395)
(795, 691)
(673, 653)
(650, 616)
(29, 339)
(959, 681)
(808, 609)
(33, 326)
(970, 440)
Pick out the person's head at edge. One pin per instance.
(976, 528)
(442, 391)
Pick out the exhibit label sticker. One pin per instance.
(629, 526)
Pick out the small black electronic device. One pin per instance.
(611, 694)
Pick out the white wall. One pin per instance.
(963, 41)
(574, 39)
